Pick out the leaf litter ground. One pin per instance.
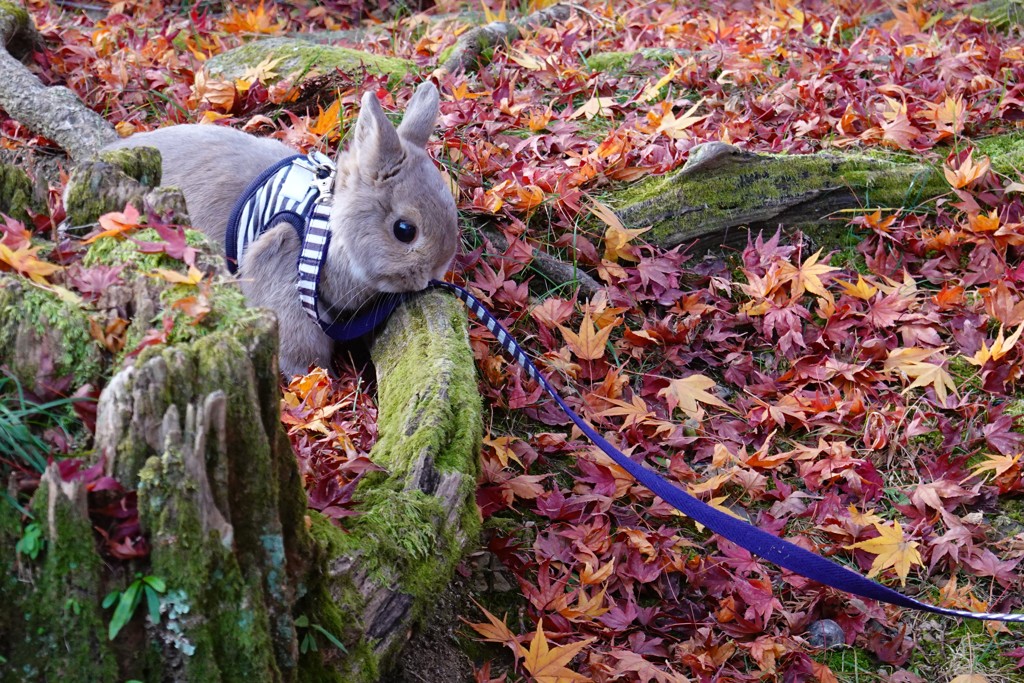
(862, 403)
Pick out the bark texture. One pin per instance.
(253, 577)
(468, 53)
(54, 112)
(723, 192)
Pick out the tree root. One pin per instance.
(469, 50)
(54, 112)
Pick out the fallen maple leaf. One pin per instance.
(24, 260)
(1000, 347)
(616, 236)
(548, 665)
(589, 343)
(997, 464)
(496, 631)
(686, 393)
(192, 278)
(807, 277)
(966, 172)
(892, 550)
(116, 223)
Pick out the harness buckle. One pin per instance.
(323, 181)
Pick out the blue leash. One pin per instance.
(761, 543)
(315, 240)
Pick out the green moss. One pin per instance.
(37, 326)
(62, 631)
(682, 207)
(1006, 152)
(140, 163)
(966, 377)
(621, 62)
(112, 251)
(303, 57)
(414, 417)
(16, 195)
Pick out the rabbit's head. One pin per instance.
(394, 226)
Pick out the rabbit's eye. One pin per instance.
(405, 231)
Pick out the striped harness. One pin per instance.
(298, 190)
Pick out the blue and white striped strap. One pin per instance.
(761, 543)
(316, 240)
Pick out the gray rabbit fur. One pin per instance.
(384, 176)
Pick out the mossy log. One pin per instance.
(723, 191)
(305, 58)
(54, 112)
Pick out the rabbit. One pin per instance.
(393, 220)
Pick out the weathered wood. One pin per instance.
(467, 54)
(54, 112)
(723, 192)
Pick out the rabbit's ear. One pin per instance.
(375, 144)
(420, 115)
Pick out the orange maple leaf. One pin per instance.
(807, 277)
(116, 224)
(967, 172)
(547, 665)
(589, 343)
(496, 631)
(258, 20)
(892, 549)
(616, 236)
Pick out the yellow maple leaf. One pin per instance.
(807, 277)
(862, 290)
(616, 237)
(587, 606)
(502, 446)
(547, 665)
(635, 412)
(1000, 347)
(891, 549)
(651, 91)
(262, 72)
(589, 343)
(911, 363)
(192, 278)
(686, 393)
(24, 260)
(676, 128)
(997, 464)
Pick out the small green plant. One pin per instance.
(32, 541)
(21, 419)
(128, 599)
(308, 643)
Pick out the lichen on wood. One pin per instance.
(54, 111)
